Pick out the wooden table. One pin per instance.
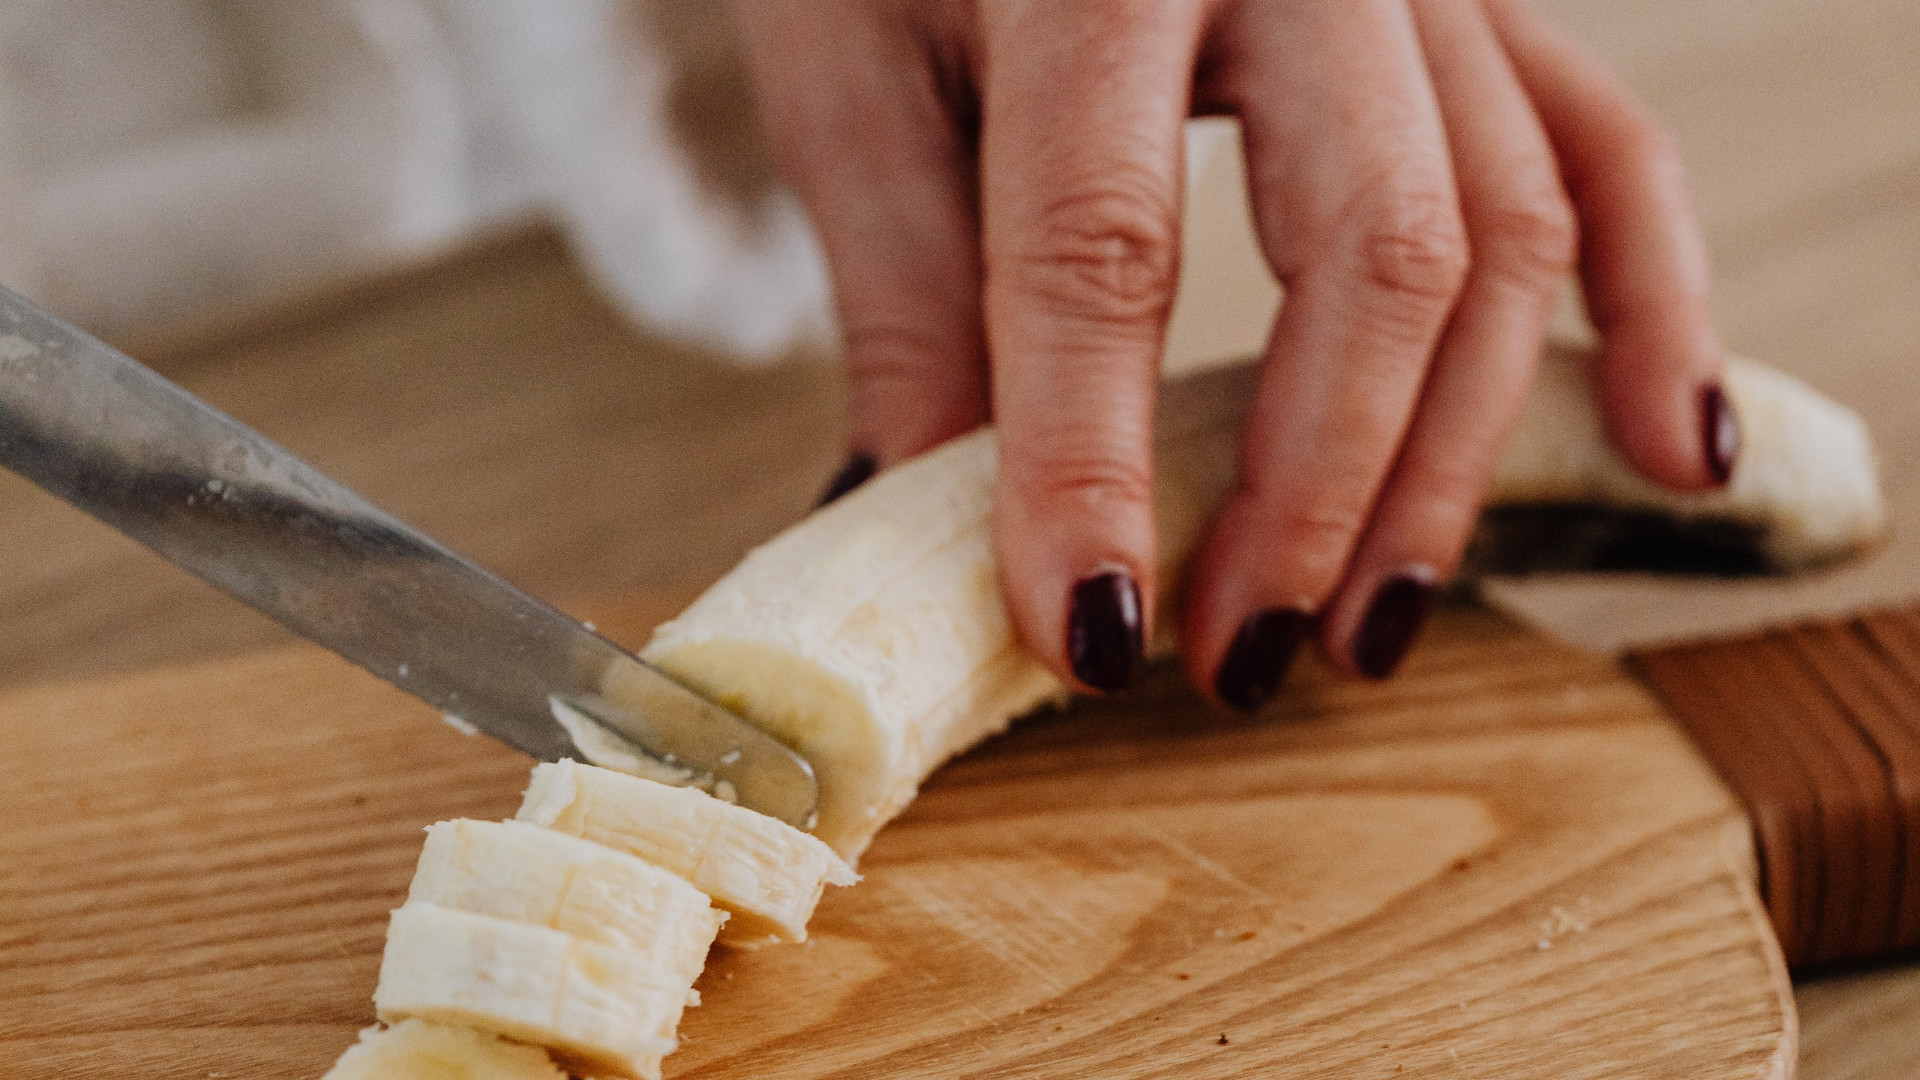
(494, 402)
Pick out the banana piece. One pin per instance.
(1805, 494)
(417, 1050)
(513, 870)
(598, 1009)
(872, 637)
(766, 873)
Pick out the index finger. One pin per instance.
(1081, 164)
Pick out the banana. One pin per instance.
(599, 1009)
(1806, 492)
(765, 873)
(512, 870)
(417, 1050)
(872, 637)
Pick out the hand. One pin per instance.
(997, 184)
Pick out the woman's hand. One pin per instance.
(998, 185)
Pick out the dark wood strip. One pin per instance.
(1897, 636)
(1783, 822)
(1886, 708)
(1861, 913)
(1817, 729)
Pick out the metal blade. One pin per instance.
(116, 440)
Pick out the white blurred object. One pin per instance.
(161, 157)
(586, 87)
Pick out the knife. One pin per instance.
(115, 439)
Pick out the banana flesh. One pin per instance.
(417, 1050)
(512, 870)
(584, 938)
(599, 1009)
(872, 636)
(1805, 494)
(765, 873)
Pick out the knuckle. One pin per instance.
(1532, 242)
(1319, 536)
(1085, 479)
(1441, 515)
(1104, 254)
(896, 355)
(1412, 248)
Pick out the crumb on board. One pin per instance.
(1222, 1040)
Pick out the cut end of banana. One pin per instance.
(513, 870)
(767, 874)
(417, 1050)
(600, 1010)
(870, 637)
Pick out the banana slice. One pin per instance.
(872, 638)
(599, 1009)
(766, 873)
(417, 1050)
(512, 870)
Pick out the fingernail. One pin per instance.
(1392, 620)
(1720, 429)
(858, 470)
(1258, 659)
(1103, 631)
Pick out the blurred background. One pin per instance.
(165, 157)
(521, 271)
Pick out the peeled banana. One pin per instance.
(417, 1050)
(512, 870)
(599, 1009)
(766, 873)
(872, 636)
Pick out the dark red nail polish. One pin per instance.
(858, 470)
(1720, 430)
(1260, 655)
(1392, 620)
(1103, 631)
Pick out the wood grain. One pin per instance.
(1505, 863)
(455, 396)
(1817, 729)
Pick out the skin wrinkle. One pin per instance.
(1406, 162)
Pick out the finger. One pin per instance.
(858, 120)
(1643, 259)
(1354, 198)
(1522, 232)
(1080, 176)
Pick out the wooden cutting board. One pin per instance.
(1505, 863)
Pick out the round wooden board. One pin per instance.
(1505, 863)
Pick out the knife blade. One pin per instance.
(115, 439)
